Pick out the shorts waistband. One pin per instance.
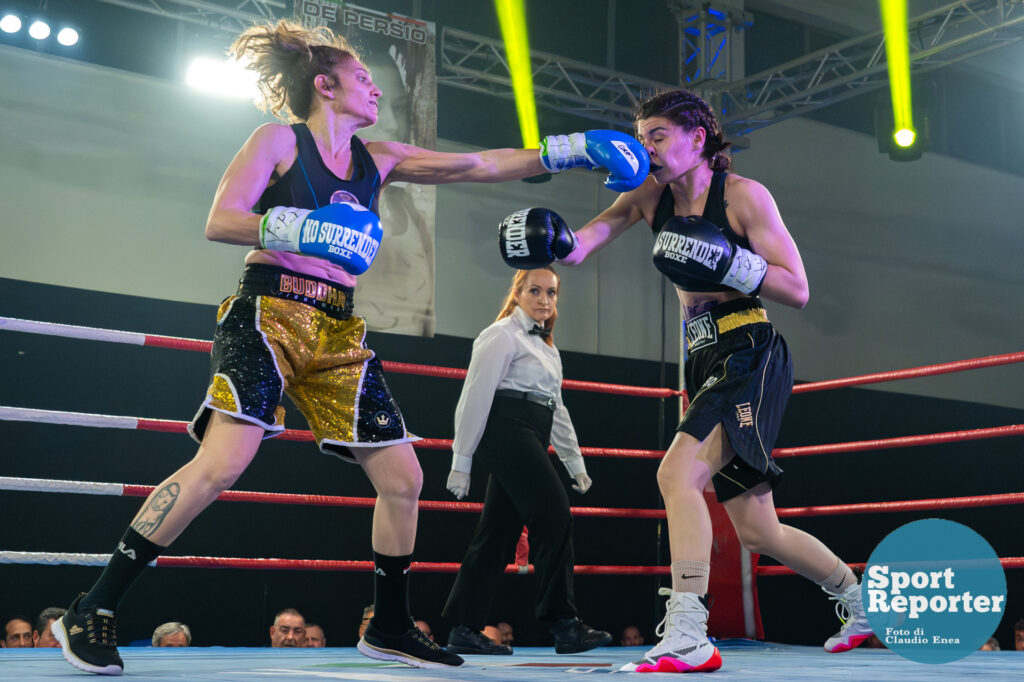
(538, 398)
(260, 279)
(703, 330)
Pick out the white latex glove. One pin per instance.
(458, 484)
(583, 483)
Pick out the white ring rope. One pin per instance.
(73, 331)
(46, 485)
(25, 414)
(54, 558)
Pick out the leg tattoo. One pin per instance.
(154, 513)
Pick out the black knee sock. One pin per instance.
(391, 593)
(130, 557)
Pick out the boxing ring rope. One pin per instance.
(132, 490)
(78, 559)
(171, 426)
(176, 342)
(47, 485)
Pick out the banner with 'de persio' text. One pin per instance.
(397, 293)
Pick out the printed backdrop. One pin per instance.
(397, 294)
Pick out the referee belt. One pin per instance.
(526, 395)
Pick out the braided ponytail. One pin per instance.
(688, 111)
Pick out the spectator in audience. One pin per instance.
(1018, 635)
(288, 630)
(41, 635)
(17, 633)
(506, 633)
(991, 645)
(425, 629)
(873, 642)
(172, 634)
(631, 636)
(367, 615)
(492, 633)
(315, 638)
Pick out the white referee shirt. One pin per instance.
(507, 356)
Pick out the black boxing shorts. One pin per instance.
(287, 332)
(739, 374)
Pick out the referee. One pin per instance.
(509, 411)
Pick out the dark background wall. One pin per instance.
(227, 607)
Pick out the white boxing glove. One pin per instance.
(458, 484)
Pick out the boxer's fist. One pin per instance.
(624, 157)
(534, 237)
(344, 233)
(697, 256)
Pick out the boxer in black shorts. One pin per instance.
(740, 378)
(720, 239)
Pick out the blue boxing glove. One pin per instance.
(624, 157)
(344, 233)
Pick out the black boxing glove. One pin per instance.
(697, 256)
(534, 237)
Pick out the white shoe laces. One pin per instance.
(849, 607)
(678, 624)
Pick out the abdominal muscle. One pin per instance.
(307, 265)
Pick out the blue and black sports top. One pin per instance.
(309, 183)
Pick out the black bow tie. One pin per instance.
(542, 332)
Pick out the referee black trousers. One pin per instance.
(523, 488)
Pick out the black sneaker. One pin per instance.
(411, 647)
(573, 636)
(464, 640)
(89, 640)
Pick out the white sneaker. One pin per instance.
(856, 628)
(684, 645)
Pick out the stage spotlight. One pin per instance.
(229, 78)
(10, 24)
(67, 37)
(39, 30)
(512, 17)
(904, 137)
(897, 54)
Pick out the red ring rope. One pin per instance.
(179, 343)
(171, 426)
(156, 340)
(134, 490)
(1007, 562)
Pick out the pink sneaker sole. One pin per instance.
(667, 664)
(854, 642)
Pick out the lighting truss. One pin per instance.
(706, 32)
(472, 62)
(938, 38)
(943, 36)
(227, 17)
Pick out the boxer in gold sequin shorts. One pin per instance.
(285, 332)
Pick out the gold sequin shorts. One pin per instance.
(286, 332)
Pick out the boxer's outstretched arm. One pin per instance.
(605, 228)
